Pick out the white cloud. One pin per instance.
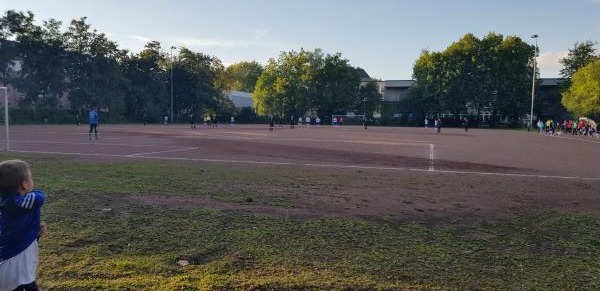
(140, 38)
(256, 38)
(205, 42)
(549, 63)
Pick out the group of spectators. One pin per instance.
(582, 127)
(309, 120)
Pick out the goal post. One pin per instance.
(4, 136)
(347, 119)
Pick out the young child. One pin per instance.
(20, 226)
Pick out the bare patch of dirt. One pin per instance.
(410, 196)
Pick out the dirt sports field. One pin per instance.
(479, 172)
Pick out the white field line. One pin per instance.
(94, 143)
(177, 149)
(584, 139)
(328, 166)
(163, 152)
(400, 142)
(431, 157)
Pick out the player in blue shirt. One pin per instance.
(20, 226)
(93, 121)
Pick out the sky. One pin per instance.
(384, 37)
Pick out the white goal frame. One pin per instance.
(354, 118)
(7, 140)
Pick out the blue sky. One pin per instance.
(384, 37)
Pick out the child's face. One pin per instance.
(27, 185)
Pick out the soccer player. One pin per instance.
(93, 121)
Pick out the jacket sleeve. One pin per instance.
(33, 200)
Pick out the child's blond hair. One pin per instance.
(12, 175)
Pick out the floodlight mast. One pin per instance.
(535, 54)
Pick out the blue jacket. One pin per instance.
(93, 117)
(19, 222)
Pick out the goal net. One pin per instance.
(4, 141)
(347, 119)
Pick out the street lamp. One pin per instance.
(535, 54)
(172, 61)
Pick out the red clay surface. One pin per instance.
(478, 172)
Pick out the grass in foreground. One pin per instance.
(98, 240)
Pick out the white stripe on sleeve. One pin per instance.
(28, 201)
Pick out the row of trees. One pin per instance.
(491, 74)
(495, 74)
(93, 71)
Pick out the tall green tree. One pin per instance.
(307, 82)
(462, 71)
(147, 95)
(512, 69)
(369, 101)
(45, 62)
(266, 97)
(287, 85)
(473, 74)
(579, 56)
(95, 75)
(337, 87)
(425, 95)
(294, 78)
(198, 88)
(242, 76)
(583, 96)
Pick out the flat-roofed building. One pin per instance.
(395, 90)
(547, 100)
(241, 99)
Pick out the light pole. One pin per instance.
(172, 61)
(535, 54)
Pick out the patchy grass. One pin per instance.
(97, 240)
